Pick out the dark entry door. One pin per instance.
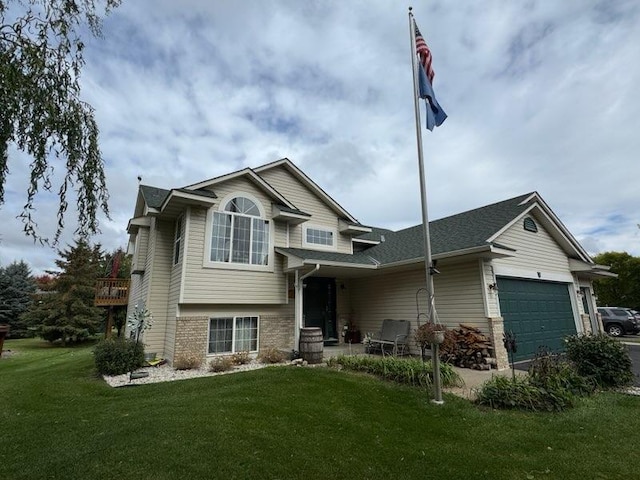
(319, 307)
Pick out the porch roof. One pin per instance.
(306, 257)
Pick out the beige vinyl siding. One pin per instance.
(141, 250)
(161, 245)
(174, 292)
(208, 284)
(458, 297)
(307, 201)
(535, 252)
(493, 306)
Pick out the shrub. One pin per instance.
(240, 358)
(520, 393)
(221, 364)
(271, 355)
(189, 361)
(118, 356)
(601, 359)
(411, 371)
(553, 371)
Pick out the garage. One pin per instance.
(539, 313)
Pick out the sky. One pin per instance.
(541, 96)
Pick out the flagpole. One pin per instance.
(425, 217)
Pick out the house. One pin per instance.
(242, 261)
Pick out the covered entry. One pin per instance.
(539, 313)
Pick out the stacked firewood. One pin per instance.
(467, 347)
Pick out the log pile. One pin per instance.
(467, 347)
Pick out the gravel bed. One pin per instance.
(166, 373)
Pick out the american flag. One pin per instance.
(424, 54)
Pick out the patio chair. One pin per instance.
(394, 335)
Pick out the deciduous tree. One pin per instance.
(41, 112)
(623, 291)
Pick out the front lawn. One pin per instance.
(59, 421)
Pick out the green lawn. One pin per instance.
(59, 421)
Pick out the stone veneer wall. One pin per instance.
(496, 332)
(276, 332)
(191, 337)
(586, 323)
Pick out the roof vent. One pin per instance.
(382, 238)
(530, 225)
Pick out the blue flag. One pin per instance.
(435, 113)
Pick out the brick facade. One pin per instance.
(192, 334)
(276, 332)
(191, 337)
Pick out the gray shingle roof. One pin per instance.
(153, 196)
(458, 232)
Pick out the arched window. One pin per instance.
(239, 234)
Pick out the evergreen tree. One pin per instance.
(67, 312)
(16, 289)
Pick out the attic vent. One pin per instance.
(530, 225)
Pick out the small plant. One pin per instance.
(240, 358)
(189, 361)
(520, 393)
(221, 364)
(409, 371)
(118, 356)
(600, 358)
(271, 355)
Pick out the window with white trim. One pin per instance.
(239, 234)
(319, 237)
(233, 334)
(177, 241)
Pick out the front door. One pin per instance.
(319, 307)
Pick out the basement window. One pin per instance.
(530, 225)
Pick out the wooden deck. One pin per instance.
(112, 292)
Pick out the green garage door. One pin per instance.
(539, 313)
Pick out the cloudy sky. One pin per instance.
(541, 95)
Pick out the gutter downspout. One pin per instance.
(298, 303)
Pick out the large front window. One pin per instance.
(239, 234)
(233, 334)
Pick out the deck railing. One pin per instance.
(111, 292)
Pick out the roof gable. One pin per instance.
(310, 184)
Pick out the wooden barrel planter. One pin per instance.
(311, 344)
(4, 330)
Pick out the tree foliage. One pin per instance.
(41, 58)
(67, 313)
(623, 291)
(16, 294)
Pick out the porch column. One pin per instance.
(298, 309)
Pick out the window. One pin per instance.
(239, 234)
(177, 241)
(319, 237)
(233, 334)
